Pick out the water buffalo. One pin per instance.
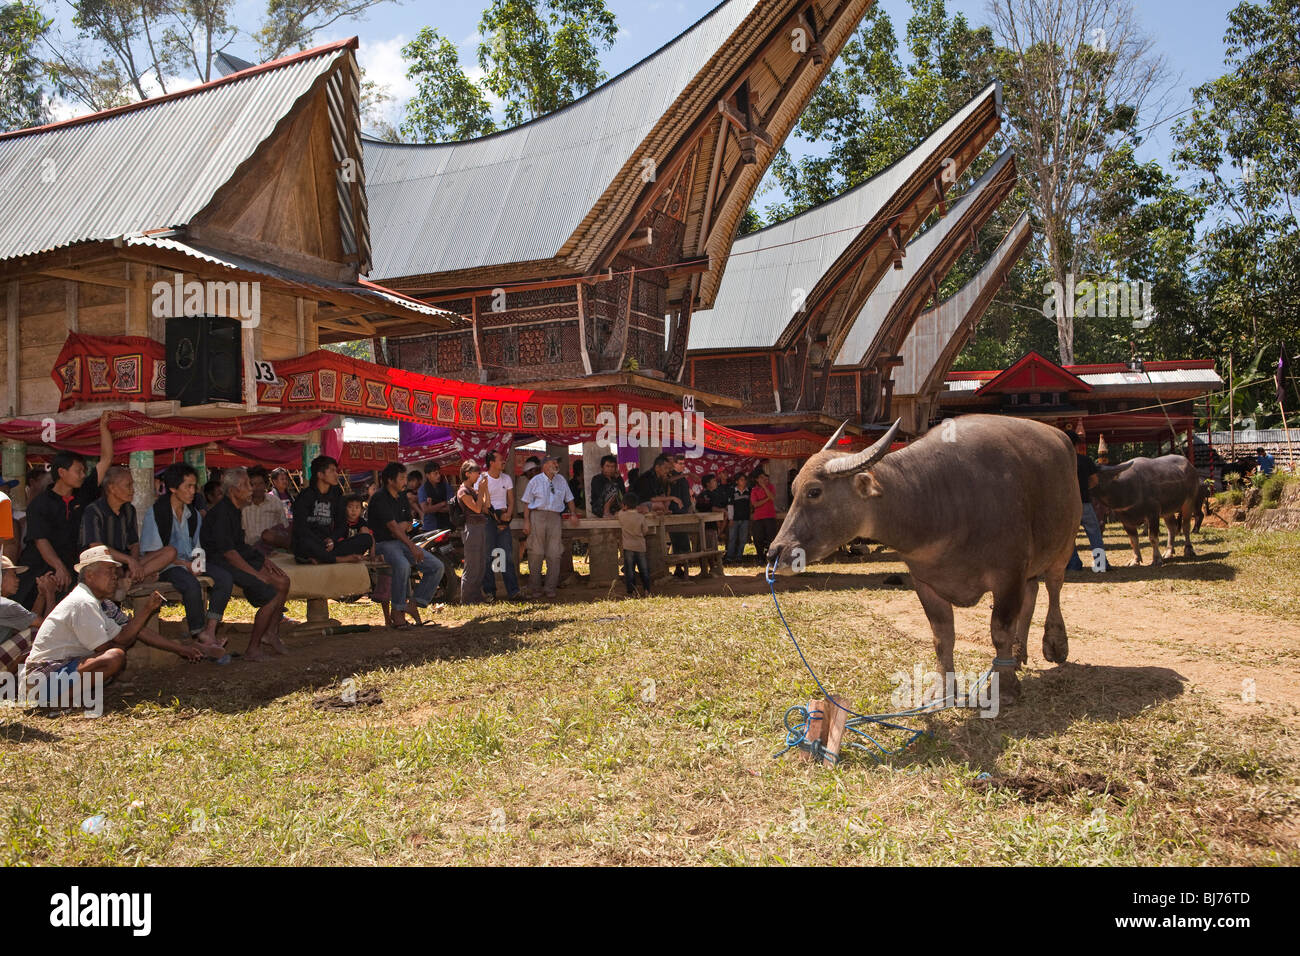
(982, 503)
(1143, 490)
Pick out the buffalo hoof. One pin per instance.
(1008, 687)
(1169, 555)
(1188, 552)
(1157, 561)
(1056, 646)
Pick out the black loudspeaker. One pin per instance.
(205, 361)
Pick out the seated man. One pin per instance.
(265, 586)
(78, 637)
(54, 518)
(320, 532)
(390, 517)
(280, 483)
(110, 521)
(17, 624)
(265, 525)
(173, 524)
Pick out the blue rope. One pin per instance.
(797, 733)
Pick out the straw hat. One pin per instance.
(7, 565)
(99, 554)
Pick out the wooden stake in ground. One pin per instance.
(836, 716)
(816, 732)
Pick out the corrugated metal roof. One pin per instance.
(933, 331)
(146, 168)
(921, 253)
(518, 195)
(1247, 436)
(767, 269)
(1181, 376)
(257, 267)
(1190, 376)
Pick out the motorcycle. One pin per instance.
(446, 546)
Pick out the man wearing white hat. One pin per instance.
(79, 637)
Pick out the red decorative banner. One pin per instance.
(126, 368)
(135, 431)
(129, 368)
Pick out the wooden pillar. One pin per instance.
(197, 458)
(657, 549)
(310, 450)
(780, 468)
(12, 348)
(142, 482)
(13, 463)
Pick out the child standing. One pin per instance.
(632, 520)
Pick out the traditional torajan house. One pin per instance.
(939, 335)
(874, 352)
(793, 291)
(580, 243)
(243, 197)
(1123, 403)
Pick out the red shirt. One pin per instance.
(764, 505)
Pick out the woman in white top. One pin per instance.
(500, 544)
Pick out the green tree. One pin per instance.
(290, 25)
(538, 55)
(447, 105)
(126, 50)
(1240, 147)
(870, 110)
(1078, 75)
(22, 101)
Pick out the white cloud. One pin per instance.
(382, 60)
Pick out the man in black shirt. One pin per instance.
(738, 528)
(607, 489)
(54, 518)
(652, 487)
(389, 516)
(320, 523)
(110, 521)
(679, 488)
(265, 586)
(1086, 470)
(432, 499)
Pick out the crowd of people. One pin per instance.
(80, 546)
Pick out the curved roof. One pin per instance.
(148, 166)
(940, 333)
(768, 269)
(923, 256)
(520, 194)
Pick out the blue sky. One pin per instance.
(1189, 33)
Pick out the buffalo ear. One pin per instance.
(865, 484)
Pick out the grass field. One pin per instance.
(642, 732)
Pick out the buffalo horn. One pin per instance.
(865, 458)
(839, 433)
